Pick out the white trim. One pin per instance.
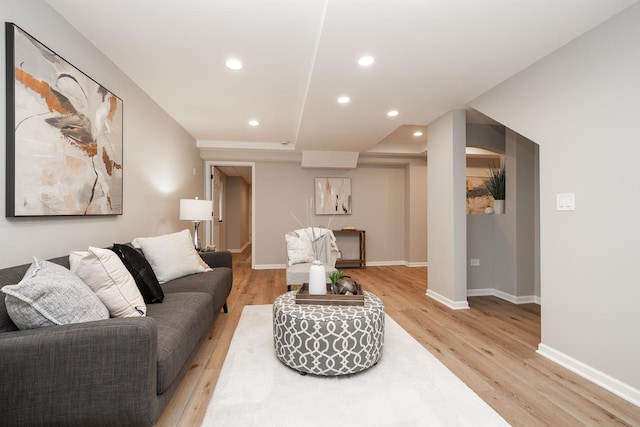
(239, 251)
(269, 266)
(384, 263)
(526, 299)
(455, 305)
(417, 264)
(605, 381)
(480, 292)
(246, 145)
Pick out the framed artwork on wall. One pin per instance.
(333, 196)
(478, 197)
(64, 135)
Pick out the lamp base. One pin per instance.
(196, 239)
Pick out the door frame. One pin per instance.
(208, 169)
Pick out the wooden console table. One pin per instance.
(360, 262)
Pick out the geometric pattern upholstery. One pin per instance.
(328, 339)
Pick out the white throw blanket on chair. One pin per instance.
(327, 249)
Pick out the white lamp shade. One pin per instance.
(196, 210)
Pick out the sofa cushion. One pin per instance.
(171, 255)
(141, 271)
(107, 276)
(6, 324)
(49, 295)
(182, 319)
(217, 283)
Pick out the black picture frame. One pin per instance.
(64, 135)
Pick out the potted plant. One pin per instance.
(334, 277)
(496, 187)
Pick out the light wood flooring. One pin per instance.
(491, 347)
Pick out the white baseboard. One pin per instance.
(269, 266)
(383, 263)
(454, 305)
(526, 299)
(417, 264)
(605, 381)
(238, 251)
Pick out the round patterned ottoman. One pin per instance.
(328, 339)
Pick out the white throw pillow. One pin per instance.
(108, 277)
(171, 255)
(299, 248)
(48, 295)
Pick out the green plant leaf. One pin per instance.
(497, 182)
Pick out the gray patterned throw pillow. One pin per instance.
(49, 295)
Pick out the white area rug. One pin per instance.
(408, 387)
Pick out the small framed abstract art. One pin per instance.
(333, 196)
(478, 197)
(64, 135)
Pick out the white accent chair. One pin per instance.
(300, 253)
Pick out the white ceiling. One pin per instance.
(431, 56)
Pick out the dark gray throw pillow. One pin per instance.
(141, 271)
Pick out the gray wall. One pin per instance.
(488, 137)
(158, 164)
(379, 203)
(580, 104)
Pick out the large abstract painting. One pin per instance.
(333, 196)
(64, 135)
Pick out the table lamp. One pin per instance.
(195, 210)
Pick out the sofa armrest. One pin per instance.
(93, 373)
(217, 259)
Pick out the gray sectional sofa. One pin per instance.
(111, 372)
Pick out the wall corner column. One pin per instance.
(446, 210)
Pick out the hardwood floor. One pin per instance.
(491, 347)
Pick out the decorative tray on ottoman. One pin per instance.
(303, 297)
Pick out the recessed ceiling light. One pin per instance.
(417, 133)
(392, 113)
(254, 123)
(344, 100)
(365, 61)
(233, 64)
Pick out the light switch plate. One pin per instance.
(566, 202)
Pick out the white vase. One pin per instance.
(317, 279)
(498, 206)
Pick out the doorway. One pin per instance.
(230, 184)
